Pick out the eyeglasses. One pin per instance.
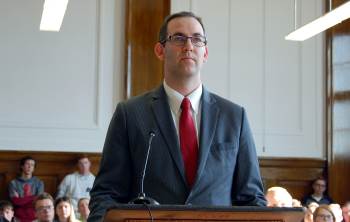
(324, 217)
(41, 209)
(181, 40)
(320, 185)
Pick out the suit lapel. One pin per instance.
(209, 118)
(162, 113)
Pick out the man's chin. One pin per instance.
(190, 73)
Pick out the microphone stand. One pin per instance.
(142, 198)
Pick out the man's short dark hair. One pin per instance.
(163, 32)
(319, 178)
(5, 204)
(24, 160)
(43, 196)
(81, 156)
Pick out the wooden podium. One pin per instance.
(177, 213)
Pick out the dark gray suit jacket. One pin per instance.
(228, 170)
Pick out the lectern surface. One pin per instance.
(181, 213)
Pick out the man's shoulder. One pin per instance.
(15, 180)
(18, 180)
(3, 219)
(36, 179)
(71, 176)
(140, 102)
(144, 97)
(91, 175)
(223, 102)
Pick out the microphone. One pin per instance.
(142, 198)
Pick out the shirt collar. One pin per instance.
(175, 98)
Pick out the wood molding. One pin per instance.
(142, 23)
(342, 96)
(338, 104)
(187, 213)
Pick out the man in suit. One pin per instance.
(203, 151)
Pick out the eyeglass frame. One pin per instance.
(42, 208)
(183, 43)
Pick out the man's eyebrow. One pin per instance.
(182, 34)
(197, 34)
(178, 33)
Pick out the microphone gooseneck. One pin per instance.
(151, 135)
(142, 198)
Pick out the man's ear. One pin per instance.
(159, 51)
(206, 54)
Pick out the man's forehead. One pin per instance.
(29, 161)
(8, 208)
(83, 161)
(44, 202)
(181, 24)
(320, 181)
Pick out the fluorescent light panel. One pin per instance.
(330, 19)
(53, 13)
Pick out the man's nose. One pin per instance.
(188, 45)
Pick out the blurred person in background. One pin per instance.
(296, 203)
(78, 184)
(6, 211)
(337, 211)
(44, 208)
(278, 197)
(83, 208)
(346, 211)
(319, 195)
(323, 213)
(64, 210)
(24, 189)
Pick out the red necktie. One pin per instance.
(188, 141)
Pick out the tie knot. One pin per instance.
(186, 104)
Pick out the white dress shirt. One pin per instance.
(175, 99)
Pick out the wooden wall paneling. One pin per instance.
(143, 20)
(294, 174)
(51, 167)
(338, 108)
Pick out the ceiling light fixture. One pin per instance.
(53, 13)
(330, 19)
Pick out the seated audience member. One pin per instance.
(78, 184)
(310, 211)
(64, 210)
(336, 209)
(24, 189)
(296, 203)
(44, 209)
(312, 206)
(83, 208)
(6, 211)
(308, 216)
(278, 197)
(319, 187)
(323, 213)
(346, 211)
